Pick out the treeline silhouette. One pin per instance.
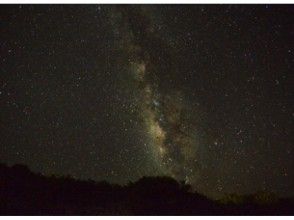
(25, 193)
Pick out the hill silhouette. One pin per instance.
(25, 193)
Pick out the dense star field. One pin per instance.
(201, 93)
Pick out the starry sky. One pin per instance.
(201, 93)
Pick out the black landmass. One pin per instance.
(23, 192)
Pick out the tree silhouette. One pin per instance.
(25, 193)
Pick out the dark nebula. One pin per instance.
(201, 93)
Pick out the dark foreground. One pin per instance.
(25, 193)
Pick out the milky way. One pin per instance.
(163, 108)
(200, 93)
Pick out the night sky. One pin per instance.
(201, 93)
